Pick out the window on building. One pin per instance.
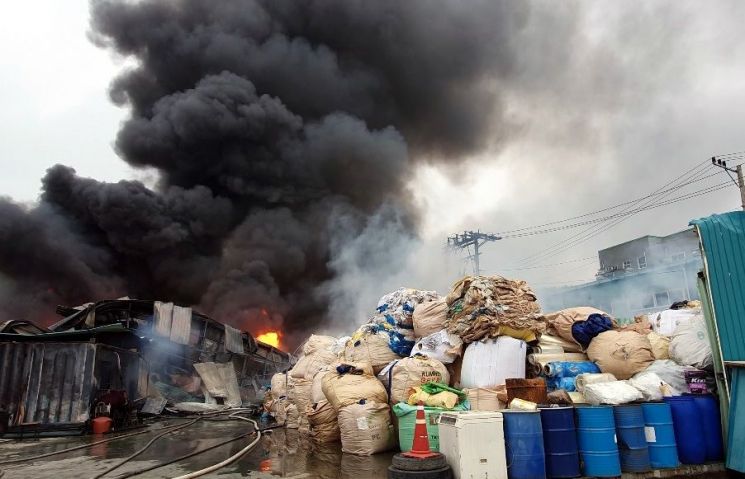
(679, 257)
(642, 262)
(662, 299)
(648, 301)
(627, 264)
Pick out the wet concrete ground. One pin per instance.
(280, 453)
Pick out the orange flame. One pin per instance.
(270, 337)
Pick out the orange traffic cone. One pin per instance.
(420, 446)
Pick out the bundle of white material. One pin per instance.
(488, 363)
(402, 375)
(613, 393)
(442, 346)
(671, 373)
(366, 429)
(649, 384)
(666, 322)
(592, 378)
(690, 345)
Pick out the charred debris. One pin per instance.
(126, 359)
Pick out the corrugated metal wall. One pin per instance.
(723, 244)
(46, 382)
(723, 238)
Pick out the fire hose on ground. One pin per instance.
(163, 431)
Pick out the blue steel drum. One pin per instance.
(708, 408)
(689, 429)
(596, 436)
(632, 443)
(523, 438)
(560, 442)
(660, 435)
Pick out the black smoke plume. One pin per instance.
(279, 129)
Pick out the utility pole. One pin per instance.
(738, 171)
(476, 239)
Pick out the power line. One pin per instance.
(592, 213)
(548, 265)
(695, 171)
(617, 215)
(605, 228)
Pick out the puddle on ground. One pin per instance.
(280, 453)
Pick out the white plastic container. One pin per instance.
(473, 444)
(487, 364)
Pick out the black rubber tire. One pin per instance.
(404, 463)
(441, 473)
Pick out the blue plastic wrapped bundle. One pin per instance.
(584, 331)
(562, 374)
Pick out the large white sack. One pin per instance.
(366, 429)
(591, 378)
(488, 363)
(442, 346)
(649, 384)
(402, 375)
(621, 353)
(665, 322)
(672, 373)
(430, 317)
(614, 392)
(317, 342)
(690, 346)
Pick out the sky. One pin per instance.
(651, 90)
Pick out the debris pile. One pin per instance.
(485, 346)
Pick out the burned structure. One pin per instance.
(114, 355)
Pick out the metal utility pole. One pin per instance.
(738, 171)
(476, 239)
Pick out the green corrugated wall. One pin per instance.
(723, 244)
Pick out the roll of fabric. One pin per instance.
(583, 379)
(569, 369)
(541, 360)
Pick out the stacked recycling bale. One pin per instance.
(361, 403)
(389, 334)
(317, 355)
(633, 357)
(495, 318)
